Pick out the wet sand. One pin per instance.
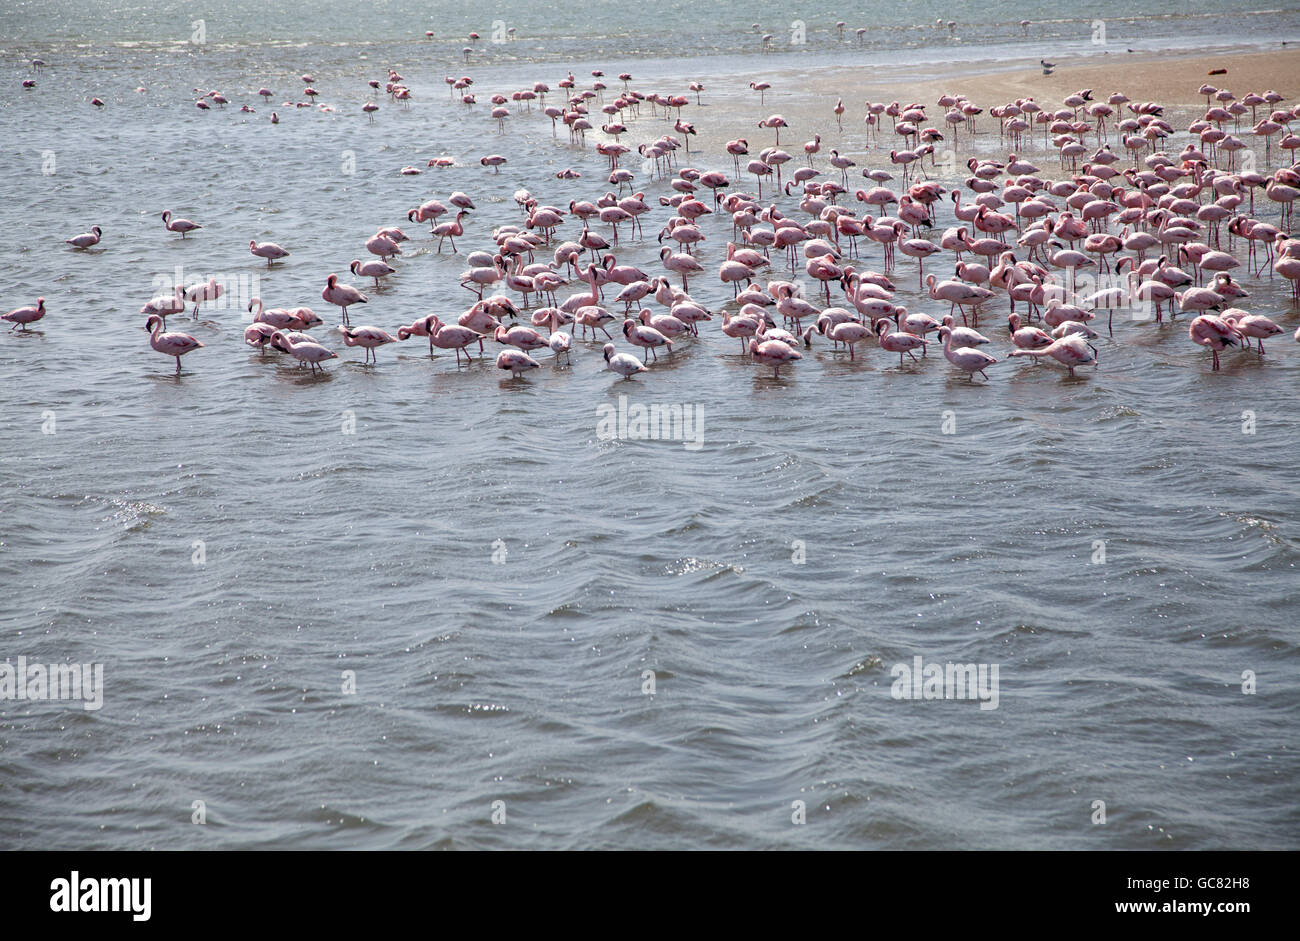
(806, 99)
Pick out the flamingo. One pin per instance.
(920, 249)
(561, 343)
(963, 336)
(368, 337)
(268, 250)
(371, 269)
(342, 295)
(774, 353)
(178, 225)
(1026, 338)
(258, 335)
(776, 122)
(21, 316)
(742, 325)
(444, 336)
(967, 359)
(646, 337)
(898, 342)
(304, 349)
(1070, 351)
(172, 344)
(199, 293)
(450, 230)
(680, 263)
(383, 246)
(86, 239)
(958, 294)
(1251, 326)
(624, 364)
(525, 338)
(1214, 332)
(849, 332)
(669, 325)
(164, 305)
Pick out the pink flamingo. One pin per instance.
(1026, 338)
(443, 336)
(178, 225)
(22, 316)
(304, 350)
(738, 148)
(258, 336)
(959, 294)
(368, 337)
(450, 230)
(383, 246)
(86, 239)
(268, 250)
(172, 344)
(342, 295)
(967, 359)
(774, 353)
(1070, 351)
(679, 263)
(646, 337)
(516, 362)
(561, 343)
(624, 364)
(1251, 326)
(1214, 332)
(525, 338)
(371, 269)
(776, 122)
(900, 343)
(164, 305)
(669, 325)
(920, 249)
(743, 325)
(199, 293)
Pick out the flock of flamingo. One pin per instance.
(1160, 228)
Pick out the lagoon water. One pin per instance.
(500, 583)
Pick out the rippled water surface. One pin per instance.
(826, 530)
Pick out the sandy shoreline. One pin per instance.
(1169, 79)
(806, 99)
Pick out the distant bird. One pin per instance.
(371, 269)
(516, 361)
(22, 316)
(178, 225)
(305, 351)
(268, 250)
(368, 337)
(624, 364)
(343, 295)
(170, 344)
(86, 239)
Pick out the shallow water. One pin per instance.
(826, 530)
